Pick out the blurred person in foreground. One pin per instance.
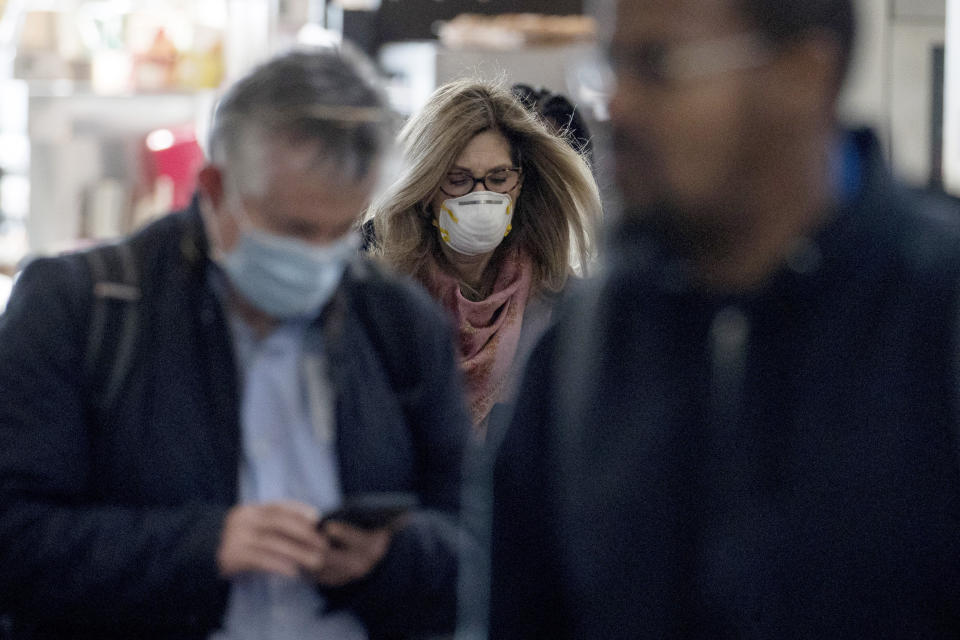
(278, 373)
(487, 215)
(748, 427)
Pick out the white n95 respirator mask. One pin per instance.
(475, 223)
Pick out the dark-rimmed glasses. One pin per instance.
(460, 183)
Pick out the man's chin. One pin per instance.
(642, 201)
(635, 196)
(655, 212)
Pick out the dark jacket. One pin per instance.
(778, 465)
(110, 518)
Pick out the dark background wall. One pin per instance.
(415, 19)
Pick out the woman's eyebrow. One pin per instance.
(459, 169)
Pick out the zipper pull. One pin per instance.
(729, 333)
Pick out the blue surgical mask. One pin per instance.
(285, 277)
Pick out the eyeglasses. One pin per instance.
(460, 183)
(662, 64)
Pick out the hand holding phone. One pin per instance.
(371, 510)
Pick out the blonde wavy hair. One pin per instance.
(559, 204)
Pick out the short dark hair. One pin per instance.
(784, 20)
(329, 96)
(557, 110)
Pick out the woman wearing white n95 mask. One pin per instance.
(491, 213)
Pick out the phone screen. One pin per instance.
(372, 510)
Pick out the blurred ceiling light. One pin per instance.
(313, 35)
(360, 5)
(160, 139)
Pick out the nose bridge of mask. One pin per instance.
(475, 202)
(337, 249)
(478, 201)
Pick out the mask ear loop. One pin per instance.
(449, 213)
(444, 233)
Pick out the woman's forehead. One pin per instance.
(488, 149)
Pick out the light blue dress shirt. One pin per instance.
(288, 453)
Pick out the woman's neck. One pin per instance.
(472, 271)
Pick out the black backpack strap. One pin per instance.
(114, 320)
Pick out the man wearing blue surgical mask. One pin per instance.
(176, 476)
(283, 259)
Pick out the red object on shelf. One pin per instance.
(175, 154)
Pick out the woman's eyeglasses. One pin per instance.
(460, 183)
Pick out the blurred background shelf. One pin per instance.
(85, 83)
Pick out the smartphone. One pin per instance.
(371, 510)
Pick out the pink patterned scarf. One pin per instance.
(488, 330)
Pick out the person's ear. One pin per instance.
(210, 183)
(219, 226)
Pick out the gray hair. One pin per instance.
(328, 97)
